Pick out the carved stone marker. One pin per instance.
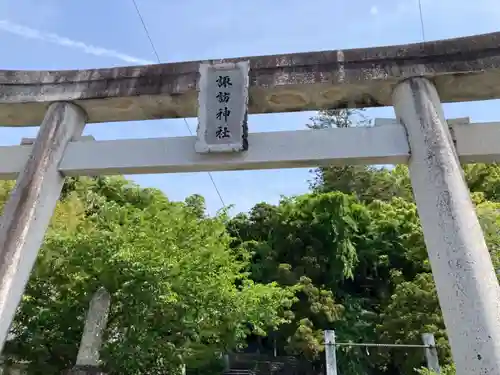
(87, 361)
(222, 107)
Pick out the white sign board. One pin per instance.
(222, 107)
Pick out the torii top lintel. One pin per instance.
(463, 69)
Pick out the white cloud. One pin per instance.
(374, 10)
(29, 33)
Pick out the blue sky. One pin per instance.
(70, 34)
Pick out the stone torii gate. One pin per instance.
(413, 78)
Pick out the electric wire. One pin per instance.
(155, 51)
(421, 19)
(376, 345)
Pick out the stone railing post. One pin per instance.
(431, 354)
(330, 352)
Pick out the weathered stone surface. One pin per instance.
(223, 108)
(97, 318)
(466, 283)
(85, 370)
(28, 211)
(462, 69)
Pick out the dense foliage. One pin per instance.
(177, 294)
(187, 288)
(357, 242)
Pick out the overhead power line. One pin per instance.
(155, 51)
(146, 31)
(421, 19)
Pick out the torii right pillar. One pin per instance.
(466, 282)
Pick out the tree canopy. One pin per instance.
(357, 238)
(178, 295)
(186, 287)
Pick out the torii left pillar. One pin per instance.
(31, 204)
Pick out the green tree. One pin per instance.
(304, 242)
(340, 251)
(178, 294)
(413, 307)
(484, 178)
(366, 266)
(446, 370)
(368, 183)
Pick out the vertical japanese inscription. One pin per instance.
(222, 112)
(223, 97)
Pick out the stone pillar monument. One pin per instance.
(87, 361)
